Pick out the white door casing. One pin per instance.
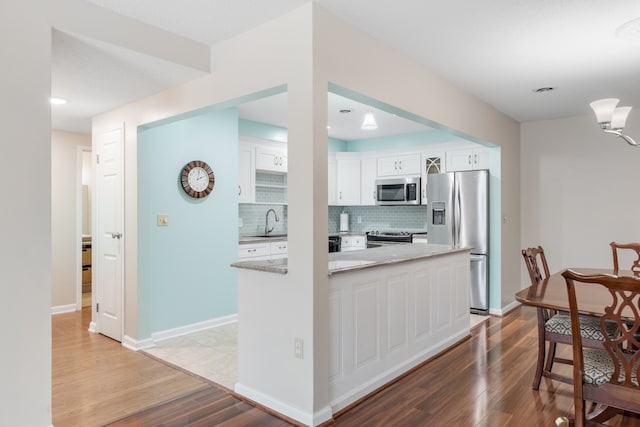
(109, 235)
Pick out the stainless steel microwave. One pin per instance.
(398, 191)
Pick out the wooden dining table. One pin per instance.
(551, 293)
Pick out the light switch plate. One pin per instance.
(162, 220)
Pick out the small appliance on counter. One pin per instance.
(344, 221)
(334, 244)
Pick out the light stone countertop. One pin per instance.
(245, 240)
(340, 262)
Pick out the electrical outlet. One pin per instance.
(359, 220)
(298, 348)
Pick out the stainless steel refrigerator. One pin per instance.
(458, 214)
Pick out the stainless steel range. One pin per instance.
(379, 238)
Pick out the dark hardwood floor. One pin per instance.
(484, 381)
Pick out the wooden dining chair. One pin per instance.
(607, 376)
(635, 267)
(555, 327)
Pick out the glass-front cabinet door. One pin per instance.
(430, 163)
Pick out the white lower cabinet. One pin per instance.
(254, 251)
(278, 250)
(262, 251)
(352, 243)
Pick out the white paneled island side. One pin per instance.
(391, 309)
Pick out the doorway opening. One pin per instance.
(84, 288)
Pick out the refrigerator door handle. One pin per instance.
(456, 213)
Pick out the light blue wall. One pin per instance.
(262, 130)
(402, 141)
(276, 133)
(184, 275)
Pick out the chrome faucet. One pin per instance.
(268, 230)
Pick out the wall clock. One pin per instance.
(197, 179)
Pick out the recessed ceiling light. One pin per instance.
(57, 101)
(345, 111)
(629, 30)
(544, 89)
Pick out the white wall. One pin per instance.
(579, 190)
(64, 215)
(25, 216)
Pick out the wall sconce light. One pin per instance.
(612, 119)
(369, 122)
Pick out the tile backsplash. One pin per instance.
(253, 219)
(381, 218)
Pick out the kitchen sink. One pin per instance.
(270, 235)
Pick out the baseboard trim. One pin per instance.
(59, 309)
(194, 327)
(505, 310)
(306, 418)
(136, 345)
(157, 337)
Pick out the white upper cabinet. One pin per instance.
(407, 164)
(467, 159)
(368, 173)
(432, 162)
(348, 179)
(246, 174)
(331, 175)
(271, 159)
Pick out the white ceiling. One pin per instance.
(342, 125)
(499, 50)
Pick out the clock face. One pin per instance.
(197, 179)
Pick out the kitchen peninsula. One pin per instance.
(391, 308)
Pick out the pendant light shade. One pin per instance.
(369, 122)
(604, 109)
(619, 117)
(611, 119)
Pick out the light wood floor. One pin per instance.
(485, 381)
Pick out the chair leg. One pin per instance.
(540, 364)
(551, 355)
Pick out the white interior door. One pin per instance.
(109, 235)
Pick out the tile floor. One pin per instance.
(213, 353)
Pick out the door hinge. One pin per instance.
(98, 158)
(97, 307)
